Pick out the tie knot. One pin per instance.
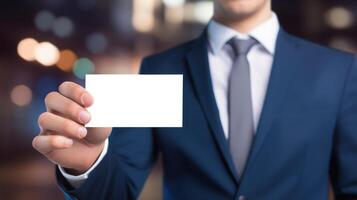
(240, 46)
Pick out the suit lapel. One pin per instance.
(285, 64)
(198, 65)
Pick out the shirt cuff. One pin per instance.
(76, 181)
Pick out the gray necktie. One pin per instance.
(241, 127)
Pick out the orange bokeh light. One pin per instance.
(66, 60)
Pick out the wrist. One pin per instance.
(88, 162)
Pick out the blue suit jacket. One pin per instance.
(307, 134)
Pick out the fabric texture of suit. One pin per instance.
(307, 134)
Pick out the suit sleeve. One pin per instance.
(123, 170)
(344, 155)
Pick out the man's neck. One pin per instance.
(246, 24)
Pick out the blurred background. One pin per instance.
(45, 42)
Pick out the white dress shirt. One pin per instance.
(260, 59)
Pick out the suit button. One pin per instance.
(241, 197)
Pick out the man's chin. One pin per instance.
(237, 15)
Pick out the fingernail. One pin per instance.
(38, 141)
(68, 142)
(82, 132)
(84, 116)
(85, 99)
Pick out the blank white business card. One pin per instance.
(135, 100)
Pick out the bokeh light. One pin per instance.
(46, 54)
(173, 3)
(66, 60)
(26, 49)
(44, 20)
(143, 15)
(175, 14)
(21, 95)
(63, 27)
(339, 18)
(82, 67)
(96, 42)
(200, 12)
(342, 43)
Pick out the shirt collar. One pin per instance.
(266, 34)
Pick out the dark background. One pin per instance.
(113, 36)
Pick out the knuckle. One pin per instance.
(68, 127)
(70, 108)
(54, 142)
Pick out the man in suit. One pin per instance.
(267, 116)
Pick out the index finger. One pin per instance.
(76, 93)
